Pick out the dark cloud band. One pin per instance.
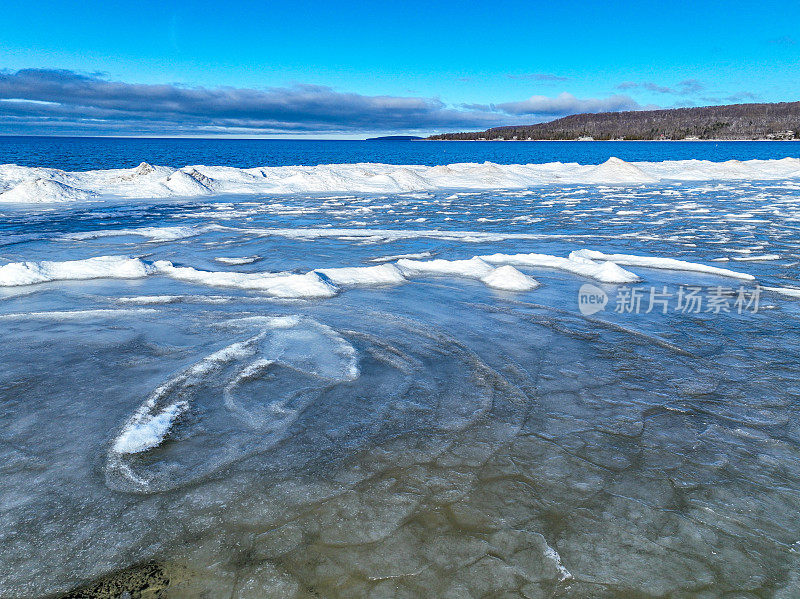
(60, 101)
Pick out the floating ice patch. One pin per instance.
(76, 314)
(417, 256)
(757, 258)
(175, 299)
(156, 234)
(238, 261)
(786, 291)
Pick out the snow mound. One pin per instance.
(615, 170)
(41, 191)
(509, 278)
(188, 182)
(144, 169)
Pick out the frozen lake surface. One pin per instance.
(389, 392)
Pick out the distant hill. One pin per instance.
(395, 138)
(734, 121)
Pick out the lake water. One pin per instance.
(76, 153)
(399, 393)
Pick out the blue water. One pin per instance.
(86, 153)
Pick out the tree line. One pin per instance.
(734, 121)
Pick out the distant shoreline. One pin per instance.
(615, 140)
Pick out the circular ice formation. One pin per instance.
(315, 354)
(286, 388)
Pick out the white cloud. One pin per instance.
(565, 103)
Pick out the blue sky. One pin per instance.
(336, 69)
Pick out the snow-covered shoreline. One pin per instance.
(30, 185)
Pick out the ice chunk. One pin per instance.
(148, 430)
(101, 267)
(605, 272)
(385, 274)
(416, 256)
(787, 291)
(507, 278)
(156, 234)
(280, 284)
(663, 263)
(238, 261)
(474, 267)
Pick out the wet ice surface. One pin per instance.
(414, 434)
